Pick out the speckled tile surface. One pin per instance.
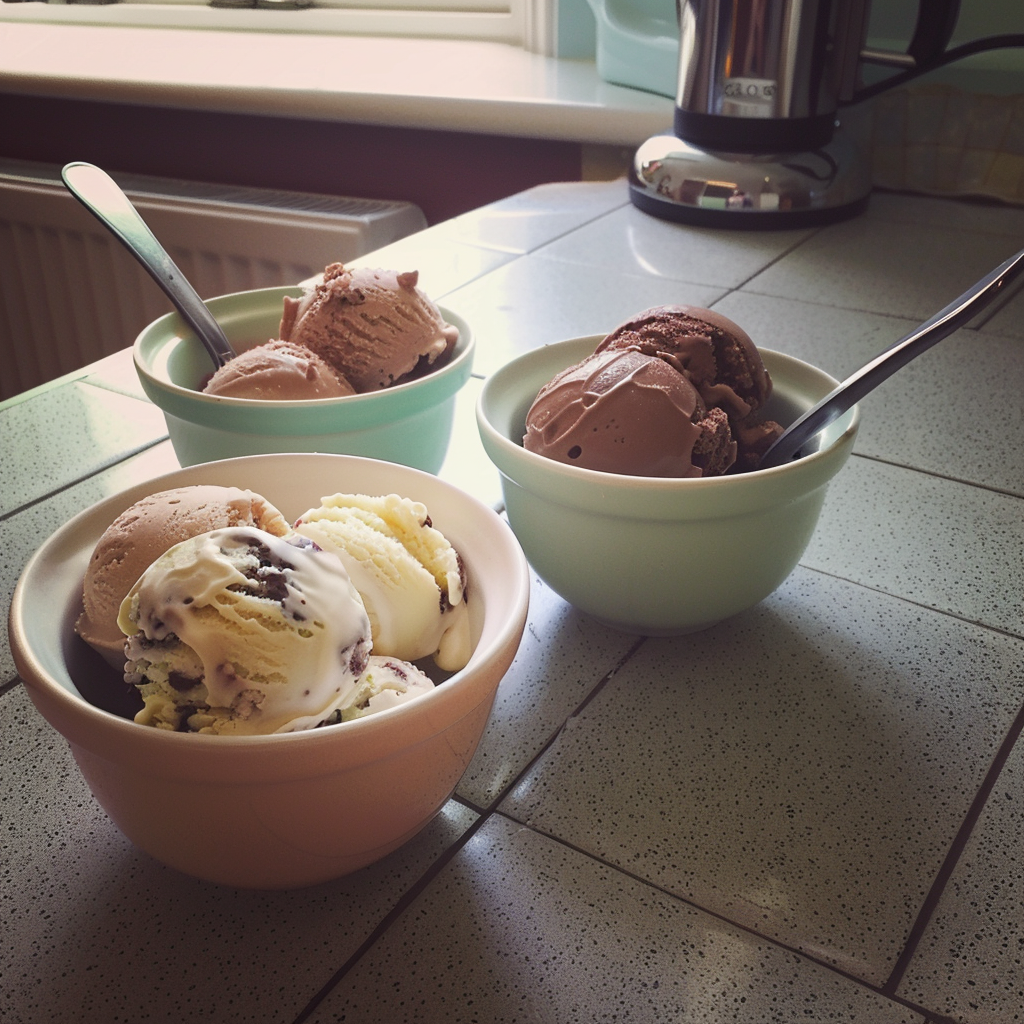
(911, 269)
(522, 930)
(563, 657)
(117, 373)
(805, 795)
(105, 933)
(892, 209)
(929, 415)
(966, 965)
(806, 813)
(441, 268)
(466, 464)
(935, 542)
(530, 219)
(106, 427)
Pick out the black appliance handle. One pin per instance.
(936, 22)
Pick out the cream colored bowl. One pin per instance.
(284, 810)
(650, 555)
(410, 423)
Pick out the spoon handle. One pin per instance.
(102, 196)
(884, 365)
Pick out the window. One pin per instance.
(526, 23)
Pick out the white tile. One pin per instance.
(936, 542)
(529, 219)
(521, 929)
(996, 218)
(838, 340)
(95, 930)
(117, 372)
(563, 657)
(967, 964)
(800, 770)
(629, 241)
(909, 270)
(105, 427)
(534, 301)
(806, 772)
(466, 464)
(442, 266)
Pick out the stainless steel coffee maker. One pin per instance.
(758, 140)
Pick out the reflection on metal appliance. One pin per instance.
(757, 140)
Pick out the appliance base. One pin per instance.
(675, 180)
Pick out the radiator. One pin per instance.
(70, 293)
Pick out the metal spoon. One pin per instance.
(102, 196)
(884, 365)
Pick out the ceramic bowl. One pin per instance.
(650, 555)
(286, 810)
(410, 423)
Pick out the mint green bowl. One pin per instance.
(409, 424)
(651, 555)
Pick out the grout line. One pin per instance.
(552, 739)
(414, 891)
(10, 685)
(797, 243)
(518, 254)
(746, 929)
(109, 463)
(973, 484)
(931, 609)
(934, 896)
(403, 903)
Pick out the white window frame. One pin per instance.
(526, 23)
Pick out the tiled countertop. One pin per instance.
(811, 812)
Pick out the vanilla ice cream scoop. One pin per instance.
(375, 327)
(145, 531)
(239, 631)
(412, 581)
(385, 683)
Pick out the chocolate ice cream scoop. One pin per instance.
(279, 371)
(718, 357)
(375, 327)
(626, 411)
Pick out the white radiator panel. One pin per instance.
(70, 293)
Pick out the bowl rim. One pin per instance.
(573, 483)
(418, 712)
(158, 338)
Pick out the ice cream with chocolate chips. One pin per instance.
(376, 328)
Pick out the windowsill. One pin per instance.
(461, 85)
